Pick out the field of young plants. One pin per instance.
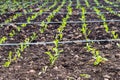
(60, 40)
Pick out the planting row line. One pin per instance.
(55, 52)
(15, 16)
(28, 39)
(8, 7)
(18, 28)
(43, 23)
(77, 2)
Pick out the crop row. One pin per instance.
(71, 15)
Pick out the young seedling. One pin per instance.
(85, 75)
(59, 36)
(42, 29)
(85, 31)
(97, 2)
(12, 33)
(96, 54)
(115, 36)
(34, 36)
(87, 3)
(3, 39)
(54, 57)
(8, 62)
(23, 25)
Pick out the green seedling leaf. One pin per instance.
(61, 36)
(60, 51)
(89, 32)
(52, 58)
(56, 42)
(55, 50)
(3, 39)
(11, 34)
(34, 36)
(41, 30)
(27, 40)
(18, 53)
(42, 24)
(10, 56)
(99, 59)
(41, 11)
(7, 64)
(23, 25)
(50, 55)
(115, 36)
(14, 58)
(97, 53)
(87, 4)
(85, 75)
(21, 47)
(18, 28)
(106, 27)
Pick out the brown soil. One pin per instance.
(73, 61)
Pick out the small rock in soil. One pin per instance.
(55, 68)
(106, 79)
(108, 46)
(31, 71)
(106, 76)
(117, 55)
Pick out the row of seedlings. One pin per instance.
(85, 31)
(20, 49)
(14, 56)
(50, 16)
(55, 52)
(15, 6)
(13, 32)
(102, 16)
(34, 16)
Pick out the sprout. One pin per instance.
(8, 62)
(96, 54)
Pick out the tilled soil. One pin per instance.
(74, 61)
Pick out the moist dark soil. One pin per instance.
(75, 60)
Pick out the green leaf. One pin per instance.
(18, 53)
(97, 53)
(61, 36)
(85, 75)
(41, 30)
(10, 55)
(98, 60)
(49, 54)
(61, 51)
(7, 64)
(56, 42)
